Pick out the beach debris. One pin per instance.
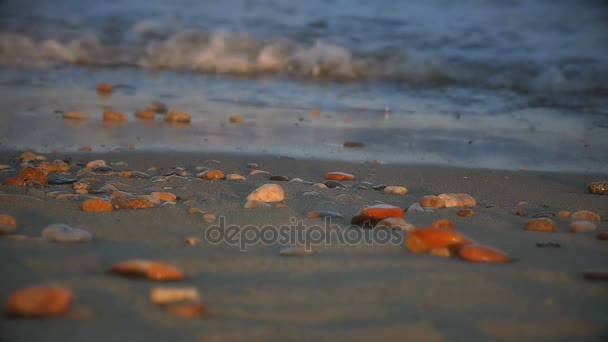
(211, 175)
(39, 301)
(353, 144)
(75, 115)
(139, 202)
(323, 214)
(540, 224)
(145, 114)
(187, 310)
(339, 176)
(563, 214)
(602, 236)
(105, 88)
(252, 204)
(548, 244)
(168, 295)
(458, 200)
(8, 224)
(585, 215)
(110, 115)
(432, 202)
(236, 119)
(394, 223)
(371, 215)
(423, 240)
(147, 269)
(96, 205)
(279, 178)
(164, 196)
(192, 241)
(157, 107)
(296, 251)
(267, 193)
(35, 174)
(581, 226)
(395, 190)
(178, 117)
(484, 254)
(64, 233)
(465, 213)
(596, 275)
(234, 176)
(599, 188)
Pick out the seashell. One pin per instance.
(339, 176)
(585, 215)
(370, 216)
(267, 193)
(479, 253)
(147, 269)
(39, 301)
(541, 224)
(63, 233)
(96, 205)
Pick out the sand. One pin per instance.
(341, 292)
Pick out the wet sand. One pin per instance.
(342, 292)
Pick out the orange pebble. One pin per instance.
(585, 215)
(105, 88)
(132, 203)
(15, 182)
(164, 196)
(315, 112)
(8, 220)
(145, 114)
(423, 240)
(187, 310)
(178, 117)
(371, 215)
(148, 269)
(212, 175)
(478, 253)
(339, 176)
(465, 213)
(39, 301)
(443, 224)
(236, 119)
(35, 174)
(541, 224)
(109, 115)
(96, 205)
(432, 202)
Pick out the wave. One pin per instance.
(153, 46)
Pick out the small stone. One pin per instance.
(39, 301)
(195, 211)
(596, 275)
(140, 202)
(267, 193)
(447, 224)
(322, 214)
(582, 227)
(458, 200)
(94, 164)
(259, 173)
(148, 269)
(541, 224)
(5, 167)
(423, 240)
(370, 216)
(35, 174)
(251, 204)
(236, 119)
(310, 193)
(298, 180)
(211, 175)
(332, 184)
(394, 222)
(353, 144)
(432, 202)
(55, 166)
(279, 178)
(234, 176)
(585, 215)
(192, 241)
(67, 197)
(27, 157)
(164, 196)
(157, 107)
(339, 176)
(296, 251)
(112, 116)
(484, 254)
(443, 252)
(209, 217)
(544, 214)
(14, 182)
(85, 149)
(563, 214)
(320, 185)
(168, 295)
(60, 181)
(602, 236)
(465, 213)
(105, 88)
(417, 207)
(252, 165)
(187, 310)
(145, 114)
(63, 233)
(178, 117)
(395, 190)
(315, 112)
(75, 115)
(96, 205)
(599, 188)
(8, 224)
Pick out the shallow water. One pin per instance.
(510, 85)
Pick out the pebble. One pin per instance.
(140, 202)
(446, 224)
(423, 240)
(465, 213)
(113, 116)
(39, 301)
(484, 254)
(27, 157)
(259, 173)
(544, 214)
(147, 269)
(157, 107)
(195, 211)
(60, 181)
(315, 112)
(310, 193)
(353, 144)
(548, 244)
(211, 175)
(55, 166)
(602, 236)
(599, 188)
(252, 165)
(370, 216)
(234, 176)
(595, 275)
(164, 196)
(298, 180)
(75, 115)
(418, 207)
(267, 193)
(81, 188)
(251, 204)
(432, 202)
(209, 217)
(236, 119)
(322, 214)
(563, 214)
(96, 205)
(60, 232)
(94, 164)
(67, 197)
(35, 174)
(279, 178)
(585, 215)
(145, 114)
(8, 224)
(541, 224)
(458, 200)
(395, 222)
(15, 182)
(168, 295)
(105, 88)
(332, 184)
(192, 241)
(443, 252)
(5, 167)
(395, 190)
(178, 117)
(582, 227)
(296, 251)
(187, 310)
(320, 185)
(339, 176)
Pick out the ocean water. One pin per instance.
(499, 84)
